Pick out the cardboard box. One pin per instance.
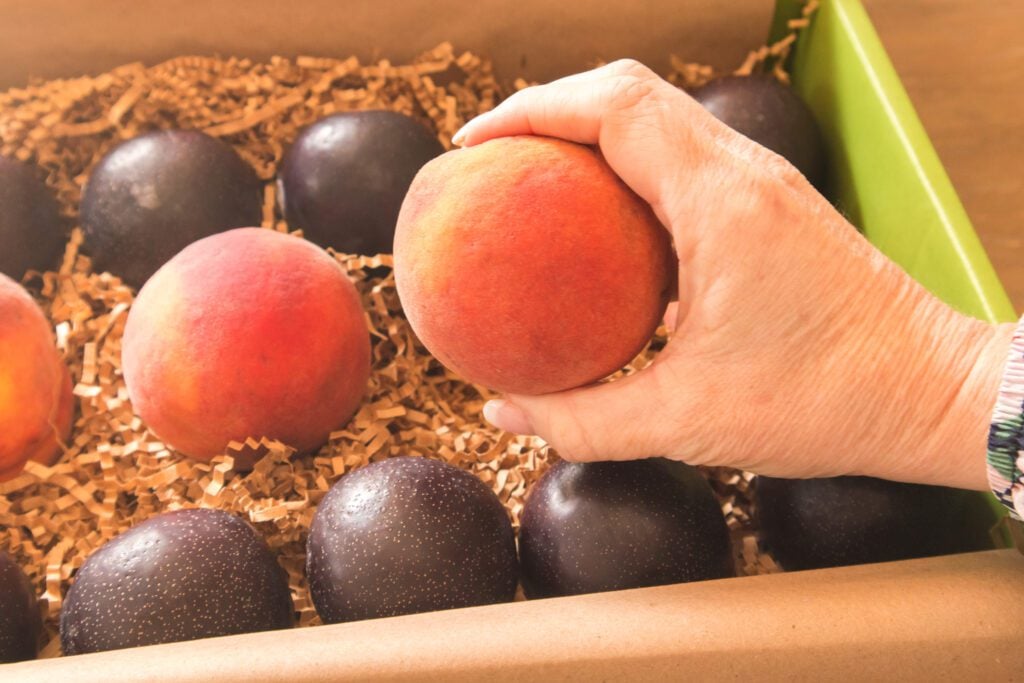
(918, 620)
(959, 615)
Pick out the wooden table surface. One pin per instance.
(962, 63)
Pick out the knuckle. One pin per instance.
(629, 91)
(630, 67)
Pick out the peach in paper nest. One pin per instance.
(36, 405)
(247, 333)
(526, 265)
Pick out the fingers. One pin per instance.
(511, 116)
(671, 317)
(649, 132)
(571, 111)
(572, 108)
(611, 421)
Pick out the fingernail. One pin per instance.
(459, 137)
(508, 416)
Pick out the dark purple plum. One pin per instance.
(409, 535)
(839, 521)
(31, 230)
(153, 195)
(181, 575)
(603, 526)
(20, 620)
(771, 114)
(344, 178)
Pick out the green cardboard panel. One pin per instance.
(884, 173)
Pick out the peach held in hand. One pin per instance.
(526, 265)
(247, 333)
(35, 387)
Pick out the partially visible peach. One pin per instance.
(527, 265)
(247, 333)
(36, 404)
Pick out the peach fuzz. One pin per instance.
(526, 265)
(36, 405)
(247, 333)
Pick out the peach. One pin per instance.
(247, 333)
(36, 404)
(526, 265)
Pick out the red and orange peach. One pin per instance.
(248, 333)
(36, 404)
(527, 265)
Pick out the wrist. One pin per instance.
(940, 386)
(982, 387)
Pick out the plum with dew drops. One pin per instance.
(602, 526)
(181, 575)
(771, 114)
(31, 230)
(839, 521)
(20, 621)
(408, 535)
(153, 195)
(344, 178)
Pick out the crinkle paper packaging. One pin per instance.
(114, 473)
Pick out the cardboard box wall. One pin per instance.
(960, 616)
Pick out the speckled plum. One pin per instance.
(20, 621)
(408, 535)
(181, 575)
(343, 179)
(771, 114)
(31, 230)
(155, 194)
(602, 526)
(839, 521)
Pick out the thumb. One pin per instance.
(619, 420)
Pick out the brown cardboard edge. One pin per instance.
(960, 616)
(957, 615)
(536, 39)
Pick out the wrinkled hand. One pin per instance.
(798, 349)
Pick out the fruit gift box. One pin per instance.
(334, 91)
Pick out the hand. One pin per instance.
(798, 349)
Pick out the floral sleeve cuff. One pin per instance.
(1006, 434)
